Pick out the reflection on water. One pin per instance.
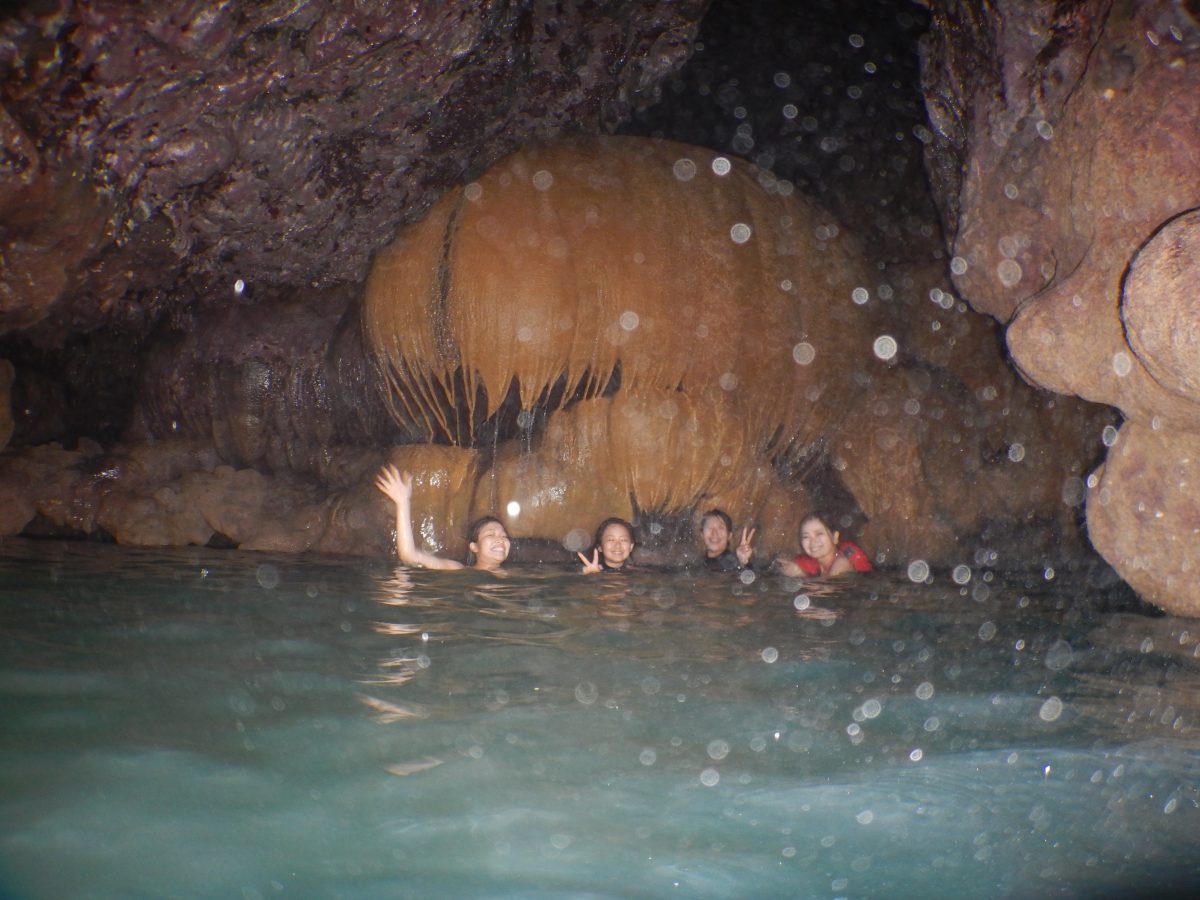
(195, 723)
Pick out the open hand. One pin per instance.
(395, 484)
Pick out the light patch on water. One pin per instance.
(1059, 656)
(718, 749)
(1051, 710)
(267, 576)
(586, 693)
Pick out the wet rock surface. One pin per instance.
(154, 151)
(1067, 166)
(191, 196)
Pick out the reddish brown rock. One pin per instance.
(1067, 154)
(1144, 514)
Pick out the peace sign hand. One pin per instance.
(592, 566)
(744, 549)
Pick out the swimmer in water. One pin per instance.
(488, 542)
(825, 554)
(611, 549)
(716, 531)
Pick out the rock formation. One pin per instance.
(1067, 165)
(191, 196)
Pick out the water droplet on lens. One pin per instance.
(885, 347)
(1009, 272)
(267, 576)
(918, 570)
(1050, 710)
(1059, 656)
(684, 169)
(586, 693)
(804, 353)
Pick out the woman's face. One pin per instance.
(491, 547)
(816, 540)
(616, 543)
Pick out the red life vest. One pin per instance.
(848, 549)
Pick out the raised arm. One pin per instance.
(399, 488)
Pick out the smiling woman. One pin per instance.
(487, 540)
(612, 548)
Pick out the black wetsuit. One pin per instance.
(726, 562)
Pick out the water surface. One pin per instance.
(216, 724)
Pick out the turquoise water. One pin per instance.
(214, 724)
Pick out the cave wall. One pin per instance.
(191, 197)
(1066, 162)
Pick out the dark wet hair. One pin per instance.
(612, 520)
(473, 534)
(720, 514)
(819, 516)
